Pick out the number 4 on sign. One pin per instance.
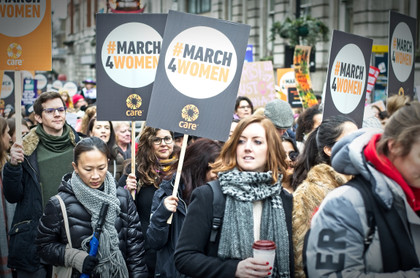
(172, 65)
(109, 63)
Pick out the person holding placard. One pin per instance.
(31, 176)
(369, 227)
(250, 169)
(162, 236)
(155, 155)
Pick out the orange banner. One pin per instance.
(25, 35)
(303, 81)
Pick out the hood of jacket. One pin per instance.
(348, 158)
(31, 140)
(65, 185)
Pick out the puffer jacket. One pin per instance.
(162, 236)
(51, 228)
(22, 186)
(339, 228)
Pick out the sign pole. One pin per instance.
(179, 171)
(133, 154)
(18, 106)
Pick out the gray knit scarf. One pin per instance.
(111, 260)
(237, 236)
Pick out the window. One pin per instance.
(199, 6)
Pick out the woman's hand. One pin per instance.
(171, 203)
(131, 183)
(252, 267)
(16, 154)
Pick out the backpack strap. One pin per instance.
(218, 209)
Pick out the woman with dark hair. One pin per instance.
(370, 226)
(243, 107)
(120, 251)
(154, 157)
(161, 236)
(292, 153)
(317, 178)
(105, 131)
(250, 168)
(308, 120)
(12, 128)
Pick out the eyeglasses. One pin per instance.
(293, 155)
(50, 111)
(158, 140)
(245, 107)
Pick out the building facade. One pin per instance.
(74, 38)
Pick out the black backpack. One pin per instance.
(398, 251)
(218, 209)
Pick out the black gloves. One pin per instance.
(89, 264)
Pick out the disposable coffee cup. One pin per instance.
(265, 250)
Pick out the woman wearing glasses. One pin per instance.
(292, 153)
(243, 108)
(153, 158)
(319, 178)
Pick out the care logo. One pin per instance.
(200, 62)
(402, 52)
(189, 113)
(14, 50)
(25, 16)
(348, 78)
(133, 103)
(130, 54)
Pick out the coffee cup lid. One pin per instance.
(264, 245)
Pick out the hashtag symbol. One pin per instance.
(178, 49)
(394, 43)
(111, 47)
(337, 68)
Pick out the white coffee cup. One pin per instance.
(265, 250)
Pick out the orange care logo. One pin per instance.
(133, 103)
(201, 62)
(348, 78)
(14, 51)
(126, 54)
(189, 113)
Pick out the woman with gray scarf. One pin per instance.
(120, 252)
(250, 169)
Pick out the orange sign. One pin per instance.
(25, 35)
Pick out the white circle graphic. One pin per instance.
(128, 58)
(7, 86)
(402, 51)
(348, 78)
(70, 87)
(20, 19)
(201, 62)
(41, 81)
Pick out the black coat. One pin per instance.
(162, 236)
(195, 256)
(52, 240)
(21, 185)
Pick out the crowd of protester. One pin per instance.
(337, 200)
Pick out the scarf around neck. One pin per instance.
(111, 260)
(385, 166)
(54, 143)
(237, 234)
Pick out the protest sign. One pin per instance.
(127, 53)
(198, 75)
(402, 37)
(373, 75)
(347, 76)
(303, 81)
(257, 83)
(285, 80)
(25, 35)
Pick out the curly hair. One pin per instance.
(148, 165)
(305, 122)
(89, 114)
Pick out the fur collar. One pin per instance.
(31, 141)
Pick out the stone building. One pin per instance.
(74, 39)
